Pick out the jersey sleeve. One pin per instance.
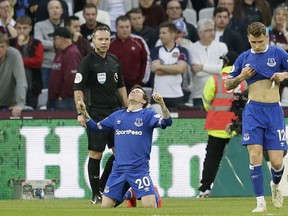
(81, 76)
(237, 67)
(157, 120)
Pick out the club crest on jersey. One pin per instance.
(118, 122)
(101, 77)
(138, 122)
(175, 54)
(116, 77)
(271, 62)
(246, 137)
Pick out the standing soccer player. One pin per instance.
(263, 123)
(100, 78)
(133, 130)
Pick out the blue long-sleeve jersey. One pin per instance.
(266, 63)
(133, 135)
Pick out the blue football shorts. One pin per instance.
(120, 181)
(264, 124)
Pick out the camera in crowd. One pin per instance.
(237, 108)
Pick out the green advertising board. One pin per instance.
(37, 149)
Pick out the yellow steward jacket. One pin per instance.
(217, 102)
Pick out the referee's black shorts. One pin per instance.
(98, 140)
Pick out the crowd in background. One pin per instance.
(157, 47)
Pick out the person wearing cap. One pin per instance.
(217, 102)
(64, 69)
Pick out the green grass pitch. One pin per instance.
(179, 207)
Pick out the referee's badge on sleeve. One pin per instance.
(78, 78)
(101, 77)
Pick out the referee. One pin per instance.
(99, 83)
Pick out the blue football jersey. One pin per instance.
(133, 135)
(266, 63)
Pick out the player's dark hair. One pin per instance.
(256, 29)
(145, 97)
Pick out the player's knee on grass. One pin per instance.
(108, 202)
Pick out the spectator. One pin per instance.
(187, 44)
(90, 14)
(183, 3)
(236, 24)
(64, 68)
(223, 33)
(154, 14)
(132, 52)
(278, 31)
(278, 35)
(205, 58)
(42, 14)
(102, 15)
(32, 54)
(6, 21)
(252, 11)
(137, 21)
(13, 82)
(174, 12)
(73, 25)
(168, 63)
(217, 102)
(41, 31)
(115, 8)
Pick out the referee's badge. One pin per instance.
(138, 122)
(101, 77)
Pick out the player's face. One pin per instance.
(101, 41)
(23, 29)
(3, 51)
(137, 96)
(258, 44)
